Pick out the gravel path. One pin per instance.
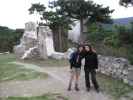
(57, 82)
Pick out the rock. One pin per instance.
(42, 35)
(5, 52)
(19, 50)
(124, 98)
(117, 68)
(130, 77)
(30, 30)
(129, 95)
(31, 53)
(130, 82)
(35, 40)
(28, 41)
(57, 56)
(116, 65)
(125, 80)
(125, 72)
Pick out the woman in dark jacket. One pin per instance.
(91, 64)
(75, 66)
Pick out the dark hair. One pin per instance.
(91, 48)
(79, 47)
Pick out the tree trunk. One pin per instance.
(81, 30)
(56, 39)
(64, 39)
(60, 38)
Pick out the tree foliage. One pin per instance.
(9, 38)
(37, 7)
(57, 22)
(63, 13)
(83, 10)
(125, 34)
(126, 3)
(52, 18)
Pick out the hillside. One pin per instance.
(123, 21)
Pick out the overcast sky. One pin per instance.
(14, 13)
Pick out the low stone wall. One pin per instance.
(117, 68)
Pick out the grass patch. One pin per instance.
(114, 87)
(13, 72)
(10, 71)
(48, 62)
(5, 58)
(43, 97)
(125, 51)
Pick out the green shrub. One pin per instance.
(112, 40)
(8, 38)
(125, 34)
(97, 32)
(130, 55)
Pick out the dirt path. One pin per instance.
(56, 83)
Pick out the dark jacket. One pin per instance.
(91, 60)
(73, 60)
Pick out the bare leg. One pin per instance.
(70, 82)
(77, 81)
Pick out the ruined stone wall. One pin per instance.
(117, 68)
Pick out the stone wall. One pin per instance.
(117, 68)
(37, 42)
(28, 47)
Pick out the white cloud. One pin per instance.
(120, 12)
(14, 13)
